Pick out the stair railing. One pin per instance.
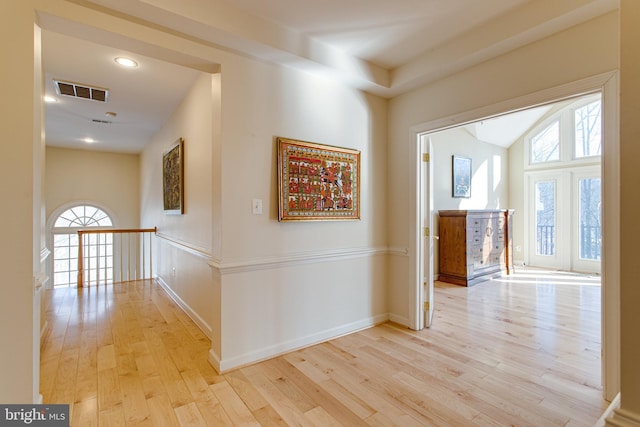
(114, 255)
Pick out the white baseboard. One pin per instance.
(199, 321)
(401, 320)
(275, 350)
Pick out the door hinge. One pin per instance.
(427, 232)
(425, 157)
(426, 306)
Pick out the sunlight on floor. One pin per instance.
(539, 276)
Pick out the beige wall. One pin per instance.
(108, 180)
(20, 191)
(629, 226)
(184, 242)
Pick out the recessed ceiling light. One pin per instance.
(126, 62)
(49, 99)
(89, 140)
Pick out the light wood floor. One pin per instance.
(523, 352)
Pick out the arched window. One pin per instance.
(99, 256)
(83, 216)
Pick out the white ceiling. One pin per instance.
(505, 130)
(385, 47)
(143, 98)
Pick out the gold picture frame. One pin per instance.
(173, 179)
(317, 182)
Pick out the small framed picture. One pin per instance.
(461, 176)
(173, 178)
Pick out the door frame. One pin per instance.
(608, 85)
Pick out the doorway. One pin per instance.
(605, 84)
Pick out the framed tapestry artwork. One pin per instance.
(461, 176)
(317, 182)
(173, 178)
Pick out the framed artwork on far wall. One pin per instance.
(173, 178)
(317, 182)
(461, 176)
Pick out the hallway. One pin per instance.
(127, 355)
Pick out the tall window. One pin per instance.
(564, 188)
(98, 258)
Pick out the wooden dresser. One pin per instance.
(475, 245)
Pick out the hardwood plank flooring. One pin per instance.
(516, 351)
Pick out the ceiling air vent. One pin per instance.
(78, 90)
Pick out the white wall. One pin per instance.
(582, 51)
(230, 160)
(489, 175)
(109, 180)
(262, 101)
(516, 197)
(489, 183)
(285, 285)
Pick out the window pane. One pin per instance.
(62, 222)
(60, 239)
(588, 130)
(78, 211)
(545, 146)
(590, 231)
(545, 217)
(60, 253)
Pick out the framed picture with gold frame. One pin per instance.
(173, 178)
(317, 182)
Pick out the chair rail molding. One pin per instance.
(267, 263)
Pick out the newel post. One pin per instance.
(80, 260)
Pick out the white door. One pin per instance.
(545, 210)
(565, 219)
(426, 195)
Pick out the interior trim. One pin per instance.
(241, 266)
(188, 247)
